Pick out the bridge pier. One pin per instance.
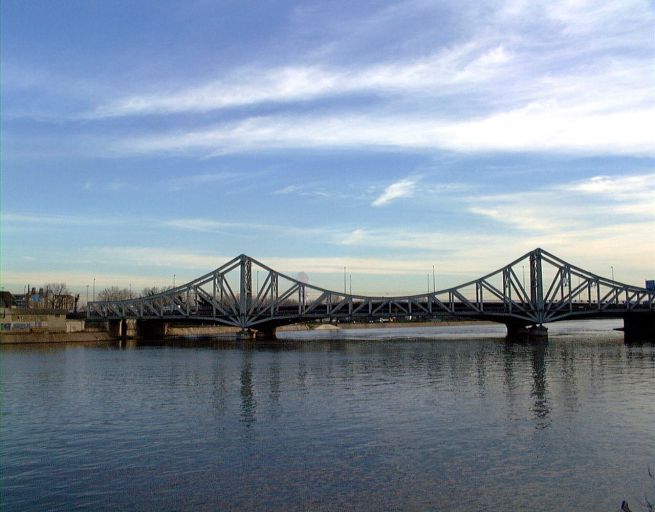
(524, 333)
(246, 335)
(153, 329)
(117, 328)
(265, 334)
(639, 327)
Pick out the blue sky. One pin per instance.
(146, 139)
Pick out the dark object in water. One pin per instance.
(625, 507)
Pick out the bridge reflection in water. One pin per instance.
(556, 290)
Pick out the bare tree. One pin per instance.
(154, 290)
(57, 296)
(115, 293)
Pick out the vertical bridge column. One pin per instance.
(245, 294)
(537, 291)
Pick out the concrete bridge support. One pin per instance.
(117, 328)
(246, 335)
(266, 334)
(151, 329)
(523, 332)
(639, 327)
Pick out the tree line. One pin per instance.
(118, 293)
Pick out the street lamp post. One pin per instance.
(94, 289)
(612, 267)
(345, 290)
(434, 281)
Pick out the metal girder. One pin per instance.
(556, 290)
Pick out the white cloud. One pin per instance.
(537, 127)
(519, 76)
(402, 188)
(203, 179)
(457, 65)
(592, 218)
(620, 186)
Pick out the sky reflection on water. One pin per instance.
(457, 424)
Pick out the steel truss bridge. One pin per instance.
(555, 290)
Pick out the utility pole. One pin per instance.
(94, 289)
(612, 267)
(173, 280)
(434, 282)
(87, 294)
(345, 290)
(351, 284)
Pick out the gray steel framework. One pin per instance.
(556, 290)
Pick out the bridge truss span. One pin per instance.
(536, 288)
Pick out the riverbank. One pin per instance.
(54, 337)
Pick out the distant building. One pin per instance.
(6, 299)
(44, 299)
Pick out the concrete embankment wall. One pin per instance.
(201, 330)
(54, 337)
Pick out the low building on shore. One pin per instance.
(14, 320)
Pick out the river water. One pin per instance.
(451, 418)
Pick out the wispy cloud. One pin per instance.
(467, 63)
(576, 206)
(537, 127)
(18, 220)
(205, 225)
(203, 179)
(402, 188)
(307, 190)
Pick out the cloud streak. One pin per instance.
(400, 189)
(536, 128)
(463, 64)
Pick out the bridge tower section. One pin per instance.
(537, 293)
(536, 284)
(245, 296)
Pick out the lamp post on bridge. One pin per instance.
(612, 267)
(87, 295)
(434, 281)
(94, 289)
(345, 290)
